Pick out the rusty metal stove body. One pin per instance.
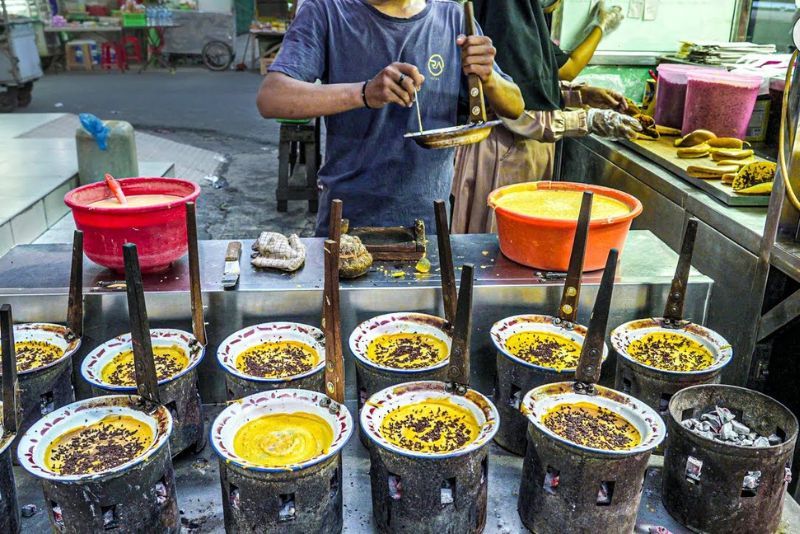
(704, 480)
(238, 384)
(138, 495)
(301, 498)
(9, 508)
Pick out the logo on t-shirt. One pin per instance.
(436, 65)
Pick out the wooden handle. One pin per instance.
(234, 251)
(449, 295)
(195, 289)
(591, 360)
(477, 103)
(75, 301)
(568, 310)
(335, 224)
(673, 311)
(144, 365)
(10, 417)
(459, 367)
(331, 324)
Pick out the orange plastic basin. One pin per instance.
(546, 243)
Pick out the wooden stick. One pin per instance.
(449, 295)
(673, 310)
(143, 363)
(568, 310)
(459, 366)
(10, 415)
(75, 302)
(334, 361)
(196, 293)
(335, 224)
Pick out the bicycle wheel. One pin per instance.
(217, 55)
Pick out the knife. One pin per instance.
(230, 275)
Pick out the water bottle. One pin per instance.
(79, 55)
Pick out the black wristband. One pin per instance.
(364, 94)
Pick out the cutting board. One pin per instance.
(663, 152)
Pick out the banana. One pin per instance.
(754, 174)
(720, 154)
(695, 138)
(666, 131)
(699, 151)
(727, 142)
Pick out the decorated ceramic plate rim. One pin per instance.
(47, 332)
(227, 354)
(259, 404)
(63, 419)
(649, 424)
(719, 346)
(545, 323)
(93, 363)
(385, 400)
(364, 330)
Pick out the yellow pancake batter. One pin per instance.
(170, 360)
(283, 439)
(433, 425)
(670, 351)
(277, 359)
(545, 349)
(407, 350)
(590, 425)
(35, 354)
(559, 204)
(135, 201)
(113, 441)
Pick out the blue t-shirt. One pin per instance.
(382, 178)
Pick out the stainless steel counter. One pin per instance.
(33, 279)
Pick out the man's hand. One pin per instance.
(597, 97)
(394, 85)
(612, 125)
(477, 56)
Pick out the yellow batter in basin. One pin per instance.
(590, 425)
(170, 360)
(277, 359)
(35, 354)
(559, 204)
(434, 425)
(545, 349)
(407, 350)
(112, 441)
(671, 351)
(135, 201)
(283, 439)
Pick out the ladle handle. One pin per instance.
(331, 325)
(144, 365)
(477, 105)
(9, 367)
(459, 367)
(568, 310)
(335, 224)
(591, 360)
(75, 301)
(195, 289)
(449, 295)
(673, 311)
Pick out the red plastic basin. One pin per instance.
(159, 231)
(547, 243)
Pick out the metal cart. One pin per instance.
(19, 60)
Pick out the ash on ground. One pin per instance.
(720, 424)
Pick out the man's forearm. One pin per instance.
(282, 97)
(504, 97)
(581, 56)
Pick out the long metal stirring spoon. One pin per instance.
(419, 113)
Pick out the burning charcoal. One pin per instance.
(724, 415)
(761, 442)
(747, 442)
(713, 420)
(739, 428)
(29, 510)
(726, 432)
(752, 436)
(690, 423)
(751, 480)
(774, 439)
(603, 496)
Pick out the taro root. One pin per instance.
(354, 258)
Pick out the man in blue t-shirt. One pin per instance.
(371, 55)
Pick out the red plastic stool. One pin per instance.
(119, 60)
(133, 48)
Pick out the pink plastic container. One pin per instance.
(671, 93)
(721, 102)
(159, 231)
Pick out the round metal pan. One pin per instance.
(453, 136)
